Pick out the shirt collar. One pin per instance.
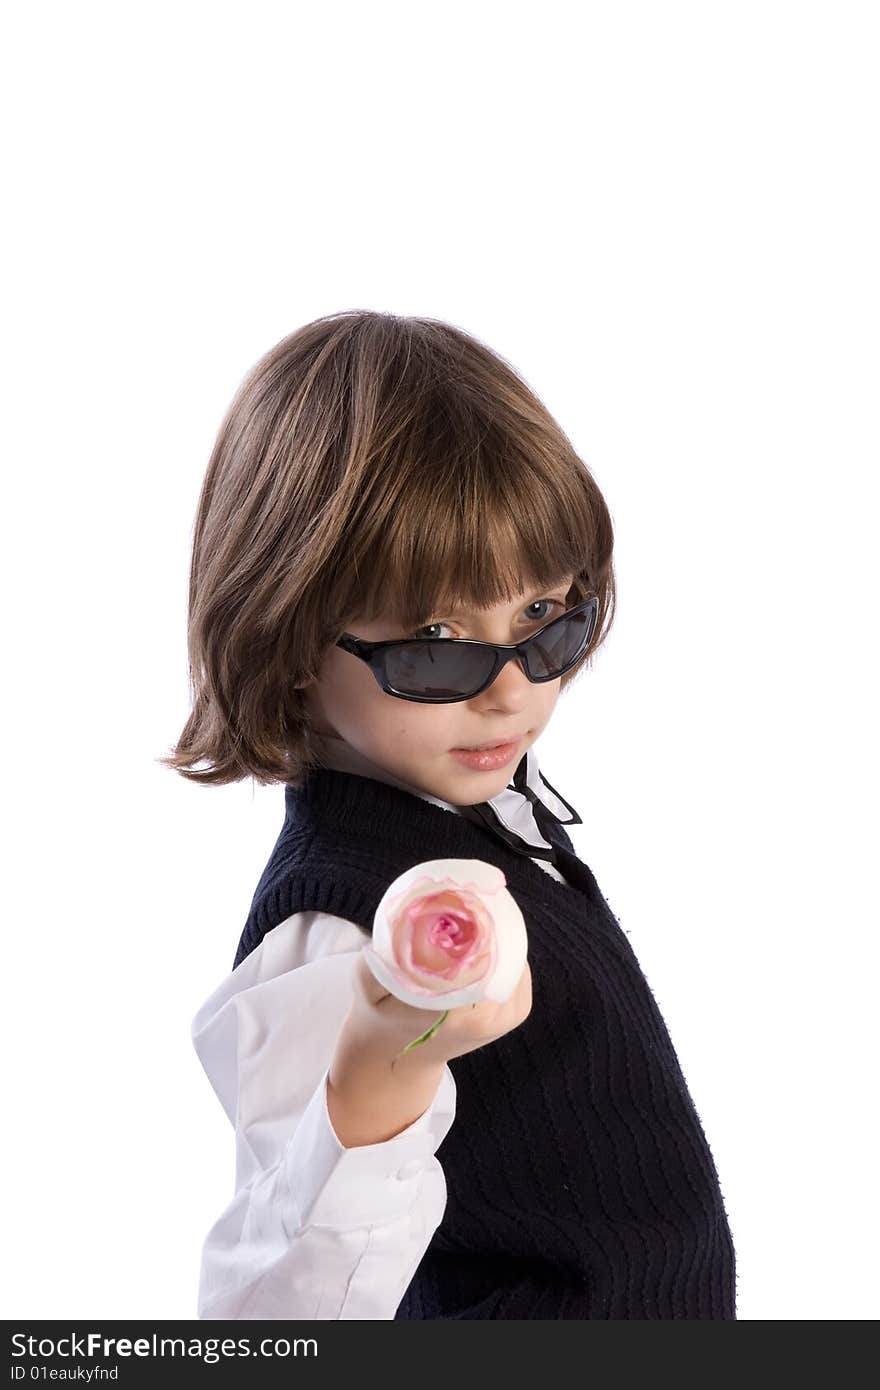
(510, 813)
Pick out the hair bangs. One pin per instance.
(491, 533)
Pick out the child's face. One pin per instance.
(414, 742)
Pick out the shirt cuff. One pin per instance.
(331, 1185)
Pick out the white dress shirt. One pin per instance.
(317, 1230)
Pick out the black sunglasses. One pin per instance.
(440, 670)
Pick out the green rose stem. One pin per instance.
(430, 1033)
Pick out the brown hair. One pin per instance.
(368, 464)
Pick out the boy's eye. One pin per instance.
(546, 605)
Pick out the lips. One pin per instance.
(494, 743)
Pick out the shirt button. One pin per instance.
(410, 1170)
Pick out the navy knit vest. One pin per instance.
(579, 1181)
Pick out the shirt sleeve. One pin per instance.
(314, 1230)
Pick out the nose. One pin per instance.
(510, 687)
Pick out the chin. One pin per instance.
(484, 785)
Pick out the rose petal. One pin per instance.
(447, 932)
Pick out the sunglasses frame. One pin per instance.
(373, 653)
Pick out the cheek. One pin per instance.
(422, 728)
(347, 682)
(345, 694)
(361, 710)
(548, 696)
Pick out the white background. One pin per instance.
(666, 217)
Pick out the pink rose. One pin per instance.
(448, 933)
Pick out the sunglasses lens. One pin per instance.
(437, 670)
(560, 644)
(455, 671)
